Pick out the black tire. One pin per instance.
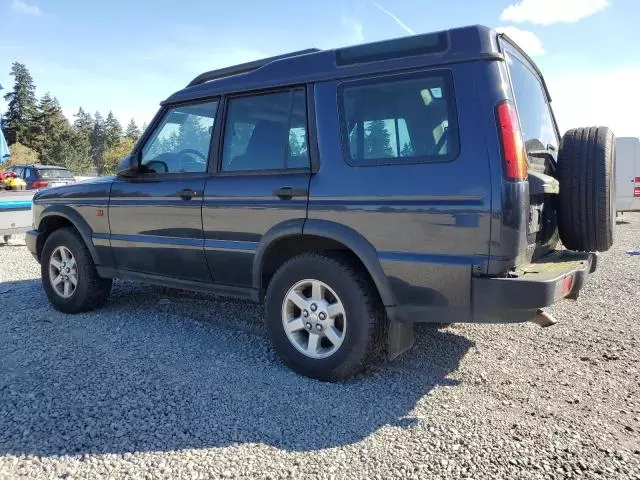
(586, 206)
(91, 290)
(363, 309)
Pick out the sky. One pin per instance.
(127, 56)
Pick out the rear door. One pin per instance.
(262, 179)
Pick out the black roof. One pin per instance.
(448, 46)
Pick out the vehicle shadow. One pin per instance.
(159, 370)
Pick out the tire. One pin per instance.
(361, 326)
(91, 291)
(586, 204)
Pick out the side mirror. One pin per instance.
(128, 166)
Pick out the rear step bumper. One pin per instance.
(531, 287)
(512, 299)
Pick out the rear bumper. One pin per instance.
(31, 239)
(512, 299)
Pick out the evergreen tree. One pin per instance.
(132, 131)
(73, 150)
(98, 142)
(83, 123)
(49, 127)
(19, 120)
(407, 150)
(377, 141)
(112, 130)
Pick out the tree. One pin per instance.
(98, 142)
(132, 131)
(21, 155)
(19, 119)
(407, 150)
(49, 127)
(73, 150)
(115, 153)
(377, 141)
(112, 130)
(83, 123)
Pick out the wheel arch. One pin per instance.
(55, 217)
(290, 239)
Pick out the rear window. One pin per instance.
(54, 173)
(405, 120)
(534, 112)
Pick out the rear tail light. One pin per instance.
(636, 188)
(39, 184)
(513, 154)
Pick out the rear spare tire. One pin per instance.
(586, 209)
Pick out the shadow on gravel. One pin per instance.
(187, 372)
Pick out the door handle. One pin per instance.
(187, 193)
(287, 193)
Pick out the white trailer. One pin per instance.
(627, 174)
(15, 213)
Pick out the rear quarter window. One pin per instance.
(400, 119)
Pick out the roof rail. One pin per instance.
(245, 67)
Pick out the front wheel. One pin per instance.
(324, 316)
(69, 276)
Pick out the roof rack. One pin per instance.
(245, 67)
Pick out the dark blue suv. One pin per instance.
(355, 191)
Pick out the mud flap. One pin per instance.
(400, 338)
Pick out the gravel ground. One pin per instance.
(167, 384)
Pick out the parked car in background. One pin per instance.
(9, 180)
(355, 191)
(43, 176)
(628, 174)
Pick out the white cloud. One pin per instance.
(546, 12)
(528, 41)
(602, 96)
(21, 6)
(355, 28)
(402, 25)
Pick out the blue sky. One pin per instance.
(127, 56)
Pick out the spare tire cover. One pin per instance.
(586, 172)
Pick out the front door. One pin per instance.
(156, 217)
(262, 180)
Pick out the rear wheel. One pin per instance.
(69, 276)
(324, 317)
(586, 171)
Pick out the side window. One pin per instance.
(400, 121)
(266, 132)
(181, 142)
(28, 174)
(534, 112)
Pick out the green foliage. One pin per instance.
(38, 131)
(21, 154)
(115, 153)
(98, 141)
(132, 131)
(73, 150)
(18, 122)
(112, 130)
(49, 127)
(377, 141)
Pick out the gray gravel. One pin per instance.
(167, 384)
